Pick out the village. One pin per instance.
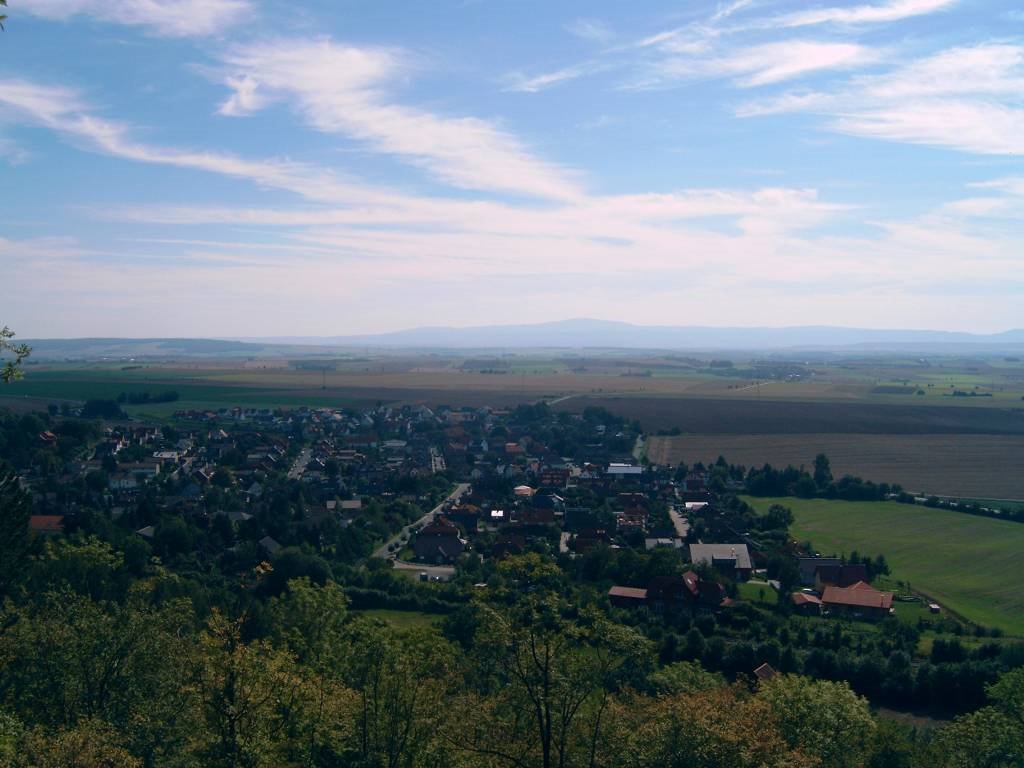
(433, 493)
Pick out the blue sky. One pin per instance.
(236, 167)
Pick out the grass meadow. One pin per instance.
(968, 564)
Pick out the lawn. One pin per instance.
(966, 563)
(756, 592)
(402, 619)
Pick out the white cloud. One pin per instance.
(967, 99)
(339, 89)
(728, 10)
(895, 10)
(537, 83)
(761, 64)
(594, 30)
(62, 110)
(168, 18)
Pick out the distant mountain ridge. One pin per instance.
(615, 334)
(562, 334)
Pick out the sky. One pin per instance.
(329, 167)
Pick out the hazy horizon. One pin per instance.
(584, 322)
(223, 168)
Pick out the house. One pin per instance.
(806, 603)
(663, 543)
(46, 524)
(731, 559)
(438, 542)
(620, 471)
(666, 593)
(704, 593)
(465, 515)
(839, 576)
(860, 600)
(627, 597)
(590, 538)
(554, 478)
(765, 672)
(269, 545)
(579, 517)
(532, 517)
(123, 481)
(808, 567)
(508, 545)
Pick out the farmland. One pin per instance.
(966, 563)
(970, 466)
(867, 414)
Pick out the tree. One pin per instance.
(399, 679)
(3, 16)
(724, 727)
(80, 662)
(11, 369)
(983, 739)
(550, 683)
(15, 510)
(254, 699)
(685, 677)
(821, 718)
(822, 471)
(90, 744)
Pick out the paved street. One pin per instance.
(300, 464)
(680, 523)
(427, 518)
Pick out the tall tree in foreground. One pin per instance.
(547, 682)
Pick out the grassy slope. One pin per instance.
(970, 564)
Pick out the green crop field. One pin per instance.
(967, 563)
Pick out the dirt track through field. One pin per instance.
(972, 466)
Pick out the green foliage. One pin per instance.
(10, 370)
(821, 718)
(15, 510)
(684, 677)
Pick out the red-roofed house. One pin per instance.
(861, 599)
(46, 524)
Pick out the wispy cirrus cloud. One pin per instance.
(894, 10)
(63, 110)
(166, 18)
(593, 30)
(717, 47)
(341, 89)
(758, 65)
(966, 98)
(532, 84)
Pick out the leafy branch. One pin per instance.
(11, 370)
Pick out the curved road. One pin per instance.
(442, 571)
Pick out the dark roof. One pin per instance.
(765, 672)
(842, 575)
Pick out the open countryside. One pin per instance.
(965, 466)
(968, 564)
